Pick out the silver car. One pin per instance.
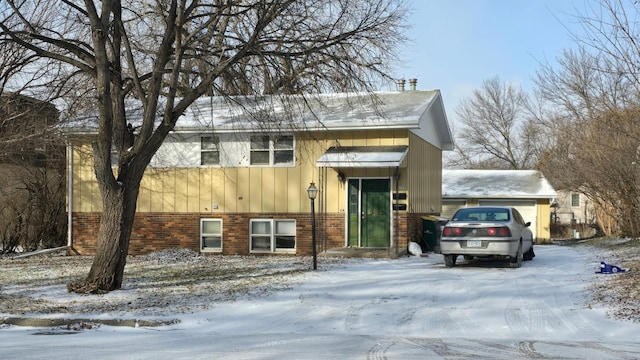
(487, 231)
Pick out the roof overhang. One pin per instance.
(363, 156)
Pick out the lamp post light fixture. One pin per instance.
(312, 190)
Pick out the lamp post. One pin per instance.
(312, 190)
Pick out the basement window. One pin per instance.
(272, 235)
(211, 235)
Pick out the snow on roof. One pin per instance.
(331, 111)
(341, 111)
(482, 184)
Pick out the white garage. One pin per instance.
(526, 190)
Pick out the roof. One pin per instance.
(363, 156)
(419, 111)
(495, 184)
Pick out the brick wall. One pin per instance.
(158, 231)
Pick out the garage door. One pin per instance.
(526, 208)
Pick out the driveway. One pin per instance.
(407, 308)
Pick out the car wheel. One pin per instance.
(450, 260)
(516, 261)
(529, 255)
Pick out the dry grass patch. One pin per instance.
(159, 284)
(619, 291)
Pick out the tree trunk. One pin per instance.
(116, 223)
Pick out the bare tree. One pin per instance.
(603, 157)
(168, 53)
(497, 128)
(593, 94)
(610, 29)
(576, 92)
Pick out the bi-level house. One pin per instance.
(233, 176)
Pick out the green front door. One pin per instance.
(369, 213)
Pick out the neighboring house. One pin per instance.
(24, 139)
(526, 190)
(32, 203)
(222, 184)
(573, 215)
(572, 207)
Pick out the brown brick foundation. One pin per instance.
(157, 231)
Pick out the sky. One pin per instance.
(457, 44)
(407, 308)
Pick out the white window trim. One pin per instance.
(202, 235)
(272, 236)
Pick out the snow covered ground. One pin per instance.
(409, 308)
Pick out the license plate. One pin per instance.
(474, 243)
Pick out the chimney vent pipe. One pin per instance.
(412, 84)
(401, 85)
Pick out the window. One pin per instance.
(259, 150)
(211, 234)
(517, 217)
(271, 235)
(283, 150)
(271, 150)
(209, 150)
(575, 200)
(285, 235)
(260, 235)
(482, 214)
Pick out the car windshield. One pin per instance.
(481, 214)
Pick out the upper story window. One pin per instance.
(272, 150)
(575, 200)
(209, 150)
(229, 150)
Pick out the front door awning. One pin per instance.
(363, 156)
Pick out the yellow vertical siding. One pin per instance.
(424, 185)
(180, 191)
(269, 189)
(255, 191)
(168, 200)
(155, 197)
(228, 201)
(243, 189)
(86, 195)
(144, 196)
(280, 188)
(192, 186)
(294, 186)
(206, 189)
(543, 229)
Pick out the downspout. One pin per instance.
(396, 179)
(69, 196)
(322, 206)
